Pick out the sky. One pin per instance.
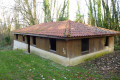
(7, 5)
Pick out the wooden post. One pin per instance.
(111, 42)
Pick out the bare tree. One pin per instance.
(16, 17)
(25, 9)
(34, 6)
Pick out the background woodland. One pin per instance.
(101, 14)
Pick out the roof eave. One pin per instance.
(67, 37)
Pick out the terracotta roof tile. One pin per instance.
(66, 29)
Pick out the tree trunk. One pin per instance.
(34, 6)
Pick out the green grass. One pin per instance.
(7, 47)
(16, 65)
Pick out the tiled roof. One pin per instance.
(66, 29)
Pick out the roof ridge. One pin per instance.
(67, 32)
(65, 29)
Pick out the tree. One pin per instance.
(16, 17)
(27, 11)
(79, 17)
(35, 16)
(31, 18)
(47, 11)
(107, 15)
(91, 14)
(99, 22)
(63, 14)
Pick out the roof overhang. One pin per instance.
(66, 38)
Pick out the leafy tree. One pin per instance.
(79, 17)
(99, 23)
(47, 11)
(63, 14)
(16, 17)
(91, 19)
(34, 7)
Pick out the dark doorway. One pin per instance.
(53, 44)
(106, 41)
(85, 45)
(23, 38)
(16, 36)
(28, 42)
(34, 40)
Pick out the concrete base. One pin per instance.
(90, 56)
(60, 59)
(52, 56)
(20, 45)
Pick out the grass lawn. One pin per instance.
(16, 65)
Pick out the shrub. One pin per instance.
(7, 39)
(117, 47)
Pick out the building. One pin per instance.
(66, 42)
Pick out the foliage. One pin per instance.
(7, 39)
(79, 17)
(64, 12)
(108, 18)
(49, 8)
(99, 22)
(47, 11)
(91, 14)
(117, 47)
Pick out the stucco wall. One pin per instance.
(20, 45)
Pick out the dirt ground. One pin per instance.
(107, 65)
